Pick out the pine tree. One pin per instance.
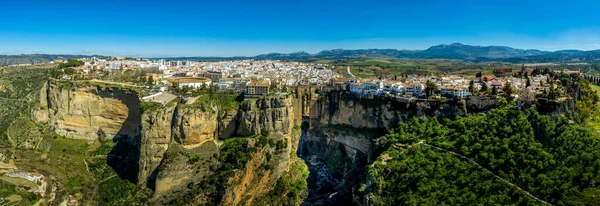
(528, 83)
(484, 87)
(430, 87)
(507, 89)
(494, 90)
(471, 86)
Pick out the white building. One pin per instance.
(194, 82)
(417, 89)
(461, 92)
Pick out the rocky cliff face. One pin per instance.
(155, 138)
(89, 112)
(340, 130)
(336, 156)
(193, 126)
(275, 116)
(476, 104)
(341, 108)
(227, 123)
(270, 113)
(175, 145)
(174, 149)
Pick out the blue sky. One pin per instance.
(229, 28)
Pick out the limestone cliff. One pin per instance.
(155, 138)
(194, 126)
(177, 149)
(341, 108)
(89, 111)
(275, 116)
(264, 171)
(227, 123)
(269, 113)
(174, 149)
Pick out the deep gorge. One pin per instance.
(175, 148)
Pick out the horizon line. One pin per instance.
(300, 51)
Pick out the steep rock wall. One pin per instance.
(155, 138)
(227, 123)
(269, 113)
(89, 112)
(194, 126)
(476, 104)
(341, 108)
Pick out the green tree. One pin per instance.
(528, 83)
(70, 63)
(150, 82)
(69, 71)
(471, 87)
(430, 88)
(484, 87)
(494, 90)
(508, 90)
(56, 73)
(542, 154)
(264, 132)
(175, 86)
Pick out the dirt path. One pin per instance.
(488, 171)
(350, 73)
(108, 178)
(13, 146)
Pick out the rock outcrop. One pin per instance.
(89, 112)
(341, 108)
(174, 147)
(167, 147)
(194, 126)
(155, 138)
(269, 113)
(476, 104)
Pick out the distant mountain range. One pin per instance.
(455, 51)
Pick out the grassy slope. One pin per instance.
(78, 166)
(366, 68)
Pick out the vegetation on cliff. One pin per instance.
(552, 156)
(233, 155)
(291, 187)
(549, 156)
(208, 101)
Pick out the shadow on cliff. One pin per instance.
(124, 156)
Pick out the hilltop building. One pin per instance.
(257, 88)
(194, 82)
(214, 75)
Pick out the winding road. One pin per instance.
(485, 169)
(350, 73)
